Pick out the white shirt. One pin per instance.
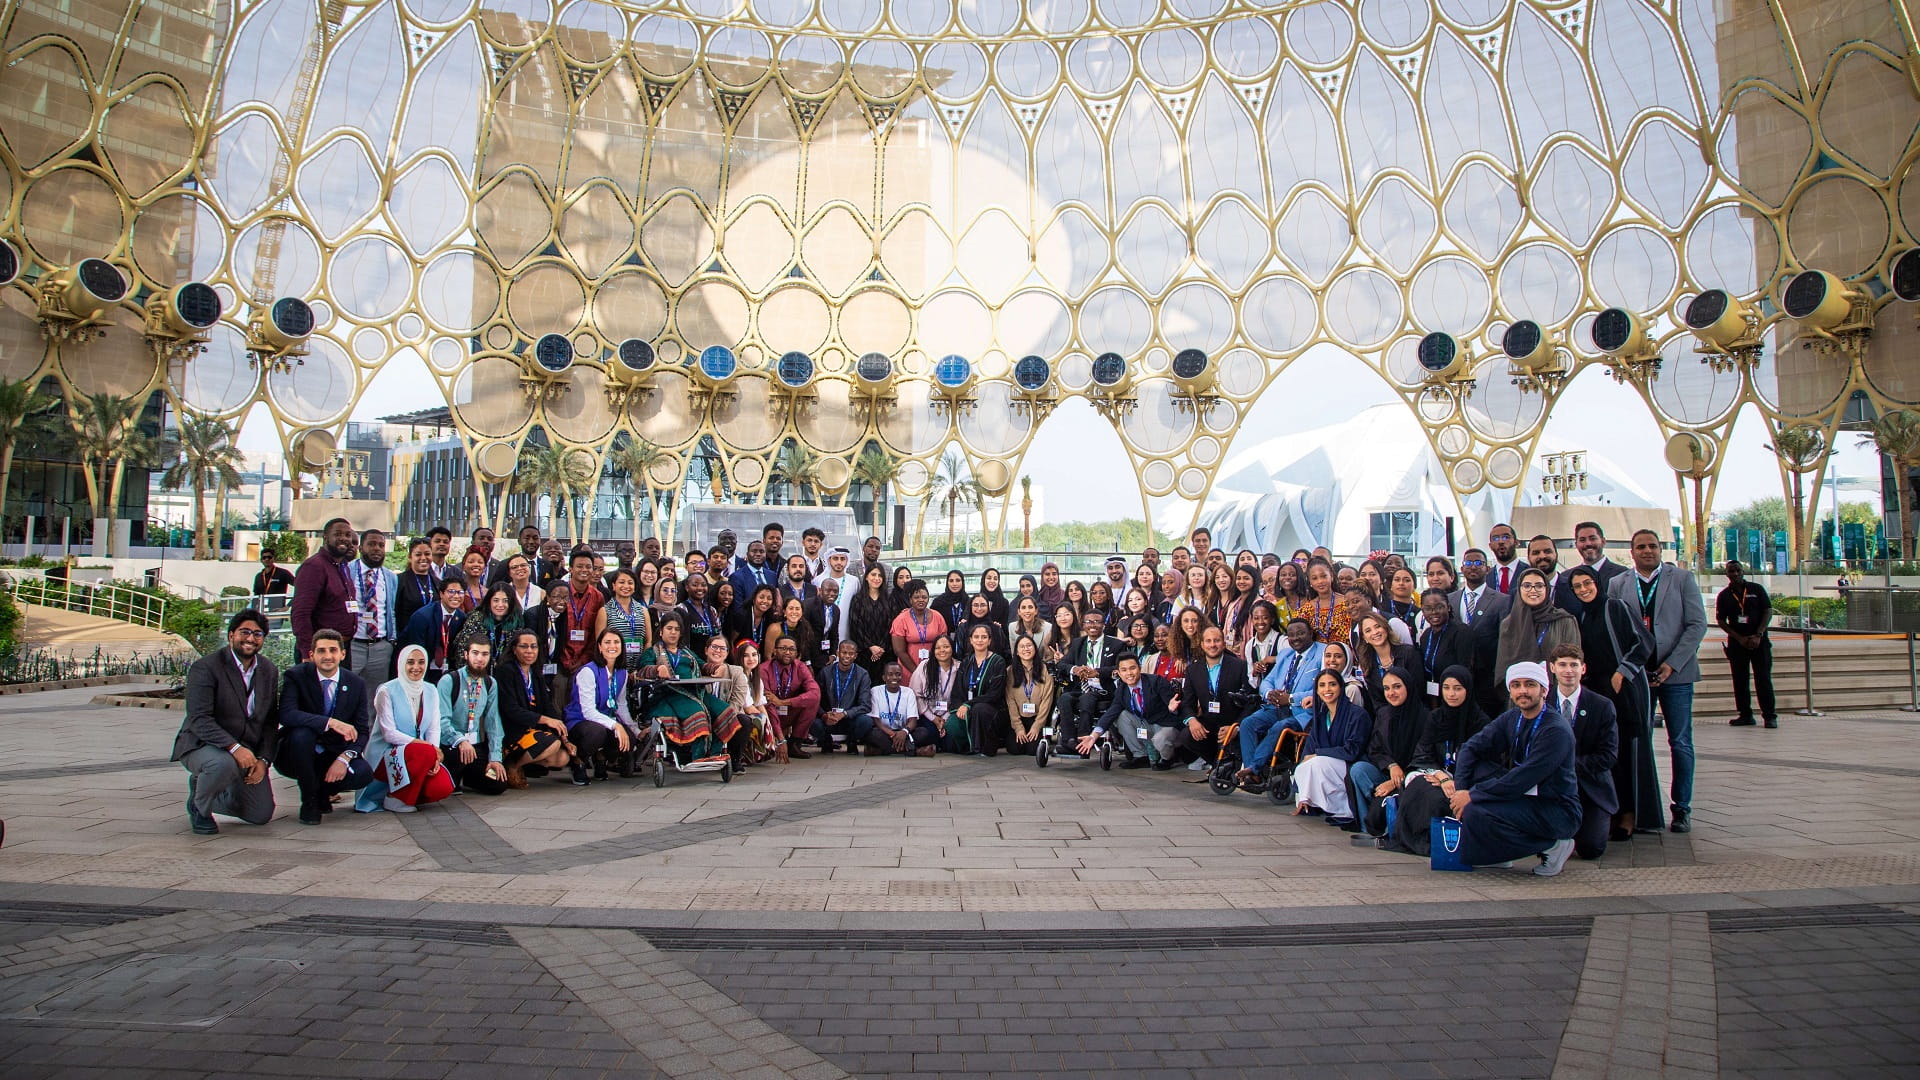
(894, 709)
(1468, 612)
(1571, 701)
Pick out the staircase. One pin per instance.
(1848, 673)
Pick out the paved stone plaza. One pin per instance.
(941, 917)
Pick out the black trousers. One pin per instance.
(1079, 708)
(1591, 841)
(1758, 662)
(305, 757)
(590, 738)
(473, 775)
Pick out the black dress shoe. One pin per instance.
(1773, 721)
(1135, 763)
(310, 816)
(1163, 765)
(1740, 721)
(199, 822)
(1682, 822)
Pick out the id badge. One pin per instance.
(577, 635)
(353, 609)
(1142, 732)
(1433, 688)
(825, 646)
(1026, 708)
(635, 648)
(780, 710)
(1741, 619)
(549, 669)
(1213, 706)
(921, 654)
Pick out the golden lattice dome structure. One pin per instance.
(738, 225)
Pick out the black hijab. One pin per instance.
(1000, 611)
(1406, 723)
(1576, 606)
(1452, 725)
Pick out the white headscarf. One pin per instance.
(415, 689)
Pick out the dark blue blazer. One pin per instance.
(1344, 737)
(424, 630)
(303, 704)
(1596, 738)
(1156, 692)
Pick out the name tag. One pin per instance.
(1433, 688)
(549, 669)
(1026, 708)
(1741, 619)
(577, 635)
(825, 646)
(921, 655)
(1142, 732)
(780, 710)
(1213, 706)
(353, 609)
(635, 648)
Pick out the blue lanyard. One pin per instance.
(527, 682)
(979, 673)
(1520, 754)
(840, 686)
(1433, 642)
(892, 698)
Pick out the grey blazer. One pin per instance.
(219, 713)
(1493, 605)
(1679, 618)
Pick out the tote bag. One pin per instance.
(1443, 851)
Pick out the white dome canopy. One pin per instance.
(1347, 485)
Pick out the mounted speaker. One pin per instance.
(636, 356)
(794, 370)
(1440, 355)
(1032, 374)
(188, 309)
(287, 323)
(1192, 371)
(1619, 332)
(716, 366)
(1718, 319)
(873, 373)
(9, 263)
(953, 374)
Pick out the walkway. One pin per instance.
(942, 917)
(70, 633)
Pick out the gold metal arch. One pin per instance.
(453, 180)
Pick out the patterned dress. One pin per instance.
(697, 723)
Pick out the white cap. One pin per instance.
(1529, 670)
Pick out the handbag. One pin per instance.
(1443, 851)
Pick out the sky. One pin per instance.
(1596, 414)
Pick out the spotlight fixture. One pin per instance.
(793, 376)
(1033, 378)
(9, 263)
(627, 374)
(1193, 372)
(74, 301)
(1446, 368)
(553, 357)
(713, 372)
(277, 336)
(1837, 318)
(1903, 276)
(1621, 336)
(1532, 360)
(873, 380)
(1727, 329)
(177, 321)
(1112, 386)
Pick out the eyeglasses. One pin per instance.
(249, 632)
(1464, 563)
(1541, 585)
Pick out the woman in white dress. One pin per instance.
(1336, 737)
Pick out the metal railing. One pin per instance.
(105, 599)
(277, 608)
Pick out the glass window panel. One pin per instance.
(1302, 141)
(428, 204)
(444, 109)
(1152, 248)
(1633, 57)
(1572, 193)
(1483, 210)
(610, 134)
(1463, 106)
(1313, 235)
(993, 162)
(1541, 282)
(1451, 295)
(338, 186)
(1397, 224)
(1224, 153)
(260, 68)
(1232, 243)
(1070, 163)
(1146, 153)
(1635, 268)
(361, 80)
(763, 157)
(1547, 84)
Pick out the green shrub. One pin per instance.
(9, 619)
(289, 547)
(1820, 610)
(236, 590)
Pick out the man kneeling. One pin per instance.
(1514, 789)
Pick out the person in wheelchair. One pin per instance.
(1216, 695)
(1287, 696)
(1085, 676)
(1143, 704)
(698, 724)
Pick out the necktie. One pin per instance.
(1566, 707)
(326, 685)
(1503, 578)
(1139, 703)
(1472, 606)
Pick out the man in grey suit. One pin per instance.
(230, 733)
(1479, 606)
(1667, 600)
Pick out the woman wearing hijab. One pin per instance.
(1393, 750)
(980, 613)
(999, 607)
(953, 604)
(1450, 724)
(405, 745)
(1051, 595)
(1337, 735)
(1616, 655)
(1533, 625)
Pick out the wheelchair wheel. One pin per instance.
(1280, 787)
(1106, 756)
(726, 773)
(1041, 753)
(659, 772)
(1220, 778)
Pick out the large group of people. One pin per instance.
(1446, 689)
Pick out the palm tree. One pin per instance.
(560, 473)
(1897, 435)
(877, 469)
(634, 463)
(23, 413)
(1801, 448)
(799, 469)
(954, 484)
(108, 440)
(207, 457)
(1026, 511)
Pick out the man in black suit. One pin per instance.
(530, 547)
(437, 628)
(326, 715)
(1479, 606)
(1209, 701)
(1596, 743)
(1142, 703)
(229, 733)
(1085, 675)
(1591, 543)
(823, 612)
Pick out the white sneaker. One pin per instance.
(397, 806)
(1554, 859)
(1199, 765)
